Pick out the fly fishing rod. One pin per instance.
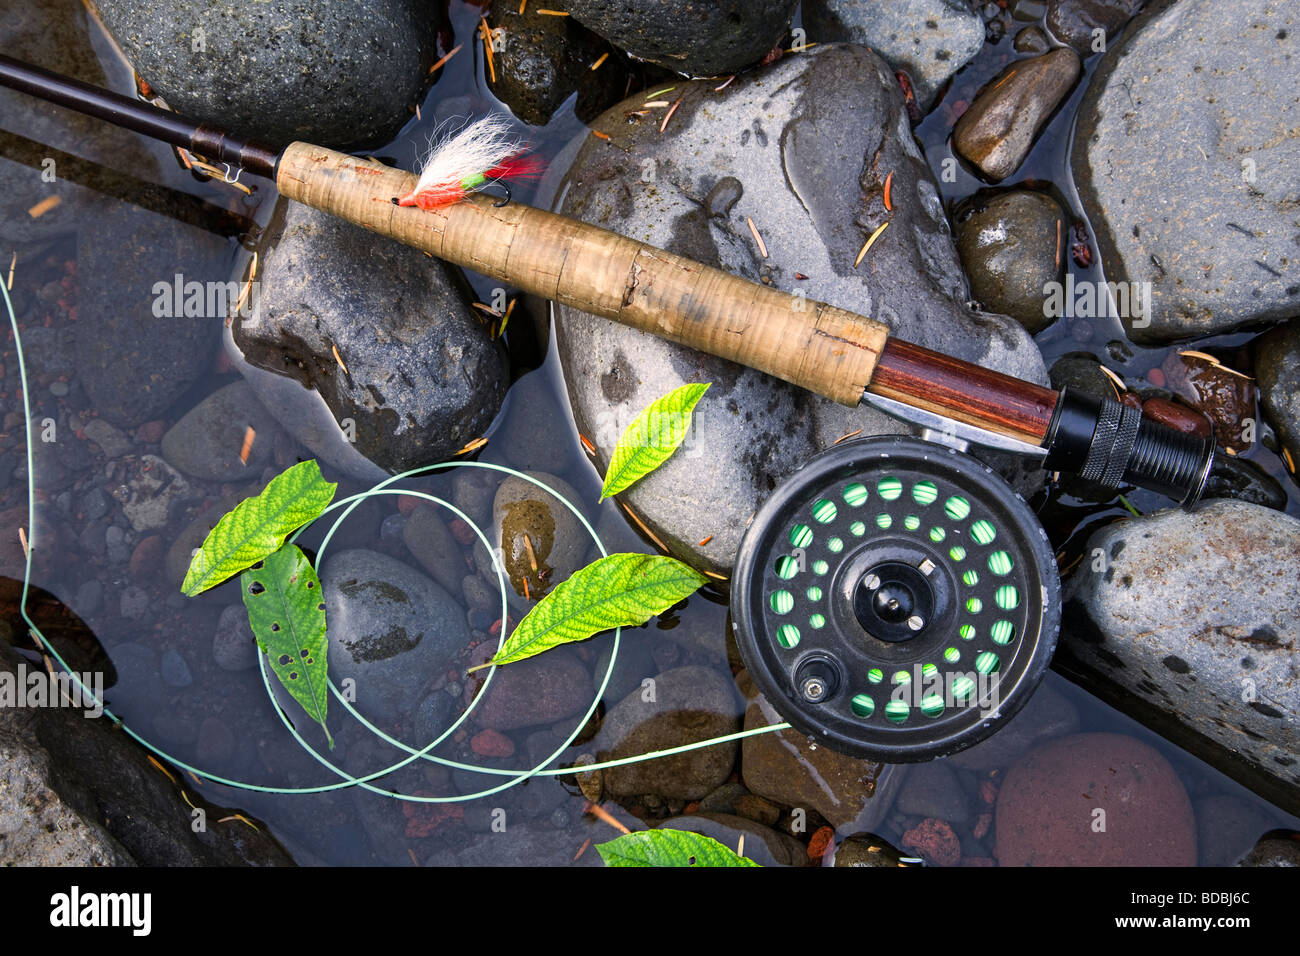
(893, 597)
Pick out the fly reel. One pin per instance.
(896, 600)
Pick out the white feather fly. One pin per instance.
(483, 151)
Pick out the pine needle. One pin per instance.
(603, 57)
(443, 62)
(757, 238)
(669, 115)
(871, 240)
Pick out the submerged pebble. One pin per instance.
(998, 130)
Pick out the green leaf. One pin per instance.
(287, 613)
(652, 438)
(621, 589)
(668, 848)
(259, 525)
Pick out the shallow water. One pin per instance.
(224, 722)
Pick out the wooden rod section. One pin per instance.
(959, 390)
(822, 348)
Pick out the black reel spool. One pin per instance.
(896, 600)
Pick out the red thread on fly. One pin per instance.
(484, 152)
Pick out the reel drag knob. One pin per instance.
(896, 600)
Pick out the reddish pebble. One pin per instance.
(983, 823)
(988, 792)
(151, 432)
(1156, 378)
(145, 557)
(1179, 417)
(461, 531)
(423, 818)
(491, 743)
(406, 504)
(934, 841)
(819, 842)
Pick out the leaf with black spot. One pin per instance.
(282, 595)
(665, 847)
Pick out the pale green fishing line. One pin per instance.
(347, 779)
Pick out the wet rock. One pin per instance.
(1078, 22)
(1012, 245)
(1174, 80)
(866, 850)
(427, 538)
(933, 790)
(634, 665)
(685, 705)
(153, 492)
(216, 743)
(174, 669)
(80, 792)
(539, 690)
(111, 441)
(133, 603)
(930, 39)
(790, 136)
(89, 599)
(472, 491)
(37, 826)
(233, 646)
(763, 845)
(528, 844)
(1245, 481)
(142, 355)
(1081, 371)
(542, 60)
(265, 70)
(435, 714)
(422, 377)
(1047, 714)
(391, 629)
(723, 800)
(85, 151)
(1277, 369)
(1226, 396)
(933, 841)
(539, 537)
(998, 130)
(697, 39)
(207, 442)
(1047, 811)
(789, 769)
(492, 743)
(528, 434)
(1227, 828)
(1274, 851)
(1198, 616)
(1032, 40)
(758, 809)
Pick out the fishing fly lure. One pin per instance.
(483, 152)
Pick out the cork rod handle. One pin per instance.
(819, 347)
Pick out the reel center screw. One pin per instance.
(894, 601)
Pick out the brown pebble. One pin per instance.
(491, 743)
(151, 433)
(934, 841)
(145, 557)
